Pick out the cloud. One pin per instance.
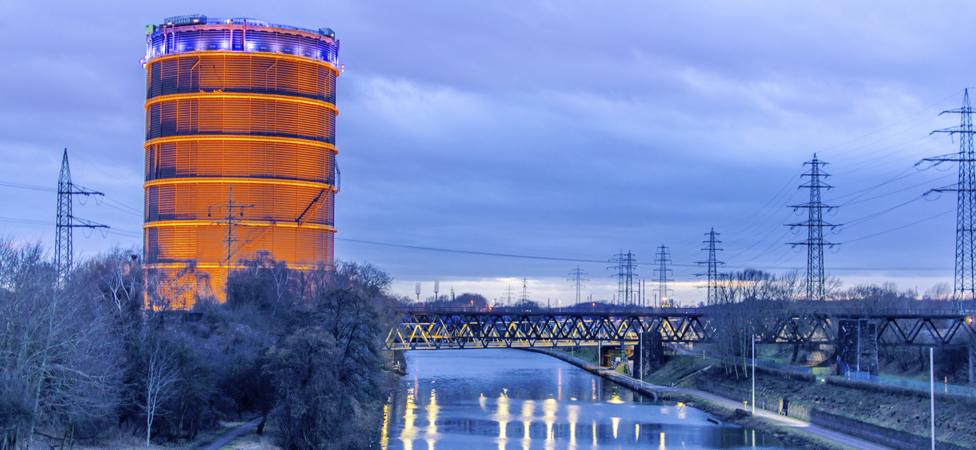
(552, 128)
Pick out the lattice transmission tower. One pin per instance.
(711, 265)
(578, 277)
(229, 220)
(815, 225)
(625, 265)
(964, 282)
(663, 259)
(66, 222)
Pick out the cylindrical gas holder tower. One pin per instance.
(240, 150)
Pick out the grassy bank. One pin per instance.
(678, 370)
(906, 412)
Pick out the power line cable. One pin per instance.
(115, 204)
(472, 252)
(934, 105)
(856, 200)
(756, 217)
(32, 187)
(875, 214)
(901, 227)
(900, 176)
(113, 230)
(601, 261)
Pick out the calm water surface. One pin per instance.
(511, 399)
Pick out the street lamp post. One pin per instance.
(753, 374)
(932, 392)
(640, 354)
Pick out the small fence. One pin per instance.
(912, 385)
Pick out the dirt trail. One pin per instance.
(224, 439)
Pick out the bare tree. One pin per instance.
(751, 301)
(121, 280)
(58, 354)
(280, 275)
(26, 284)
(939, 291)
(160, 382)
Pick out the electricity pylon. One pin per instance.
(525, 290)
(577, 276)
(230, 221)
(711, 266)
(625, 267)
(67, 222)
(663, 259)
(815, 207)
(964, 282)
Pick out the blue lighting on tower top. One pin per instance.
(199, 33)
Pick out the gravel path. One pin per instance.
(231, 434)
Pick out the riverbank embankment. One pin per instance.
(897, 418)
(792, 431)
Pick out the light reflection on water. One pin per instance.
(511, 399)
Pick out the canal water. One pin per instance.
(512, 399)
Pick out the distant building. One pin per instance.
(240, 149)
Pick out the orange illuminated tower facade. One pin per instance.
(240, 149)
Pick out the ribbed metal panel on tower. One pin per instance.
(240, 149)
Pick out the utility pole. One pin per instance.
(932, 393)
(711, 266)
(640, 346)
(625, 265)
(577, 276)
(815, 207)
(230, 221)
(663, 259)
(417, 290)
(964, 282)
(509, 295)
(525, 290)
(66, 222)
(753, 375)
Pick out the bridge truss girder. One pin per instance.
(432, 330)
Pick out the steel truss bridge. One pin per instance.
(431, 328)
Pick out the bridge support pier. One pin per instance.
(608, 354)
(399, 361)
(857, 346)
(651, 351)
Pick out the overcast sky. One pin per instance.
(564, 129)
